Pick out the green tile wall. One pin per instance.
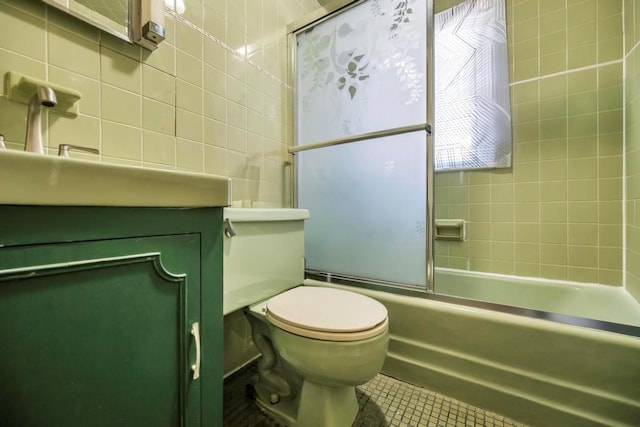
(201, 102)
(557, 212)
(440, 5)
(632, 146)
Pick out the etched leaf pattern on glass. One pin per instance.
(325, 67)
(357, 66)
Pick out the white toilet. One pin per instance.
(316, 343)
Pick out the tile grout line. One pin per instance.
(225, 46)
(624, 147)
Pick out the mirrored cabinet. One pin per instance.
(136, 21)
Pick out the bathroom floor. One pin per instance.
(384, 402)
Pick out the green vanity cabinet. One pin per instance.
(97, 314)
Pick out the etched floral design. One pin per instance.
(361, 70)
(401, 14)
(352, 69)
(406, 38)
(324, 64)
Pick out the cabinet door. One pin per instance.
(98, 333)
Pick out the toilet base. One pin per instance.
(327, 406)
(284, 411)
(318, 406)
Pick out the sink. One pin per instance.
(35, 179)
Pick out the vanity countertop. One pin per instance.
(34, 179)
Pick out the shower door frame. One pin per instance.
(327, 12)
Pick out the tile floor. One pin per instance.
(384, 402)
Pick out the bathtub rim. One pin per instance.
(392, 288)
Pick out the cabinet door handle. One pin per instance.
(195, 331)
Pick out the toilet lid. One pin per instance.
(329, 312)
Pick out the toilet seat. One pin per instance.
(327, 314)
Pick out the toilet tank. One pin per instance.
(263, 254)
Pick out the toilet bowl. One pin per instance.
(322, 342)
(316, 343)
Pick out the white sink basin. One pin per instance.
(33, 179)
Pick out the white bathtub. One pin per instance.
(591, 301)
(539, 372)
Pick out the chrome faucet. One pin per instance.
(63, 149)
(44, 96)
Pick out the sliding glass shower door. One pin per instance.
(361, 141)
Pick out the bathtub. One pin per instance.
(591, 301)
(536, 371)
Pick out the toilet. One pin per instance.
(316, 343)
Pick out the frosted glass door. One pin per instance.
(367, 202)
(363, 71)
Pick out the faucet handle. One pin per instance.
(63, 149)
(2, 141)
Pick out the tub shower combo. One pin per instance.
(403, 156)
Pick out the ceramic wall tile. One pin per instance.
(565, 200)
(170, 108)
